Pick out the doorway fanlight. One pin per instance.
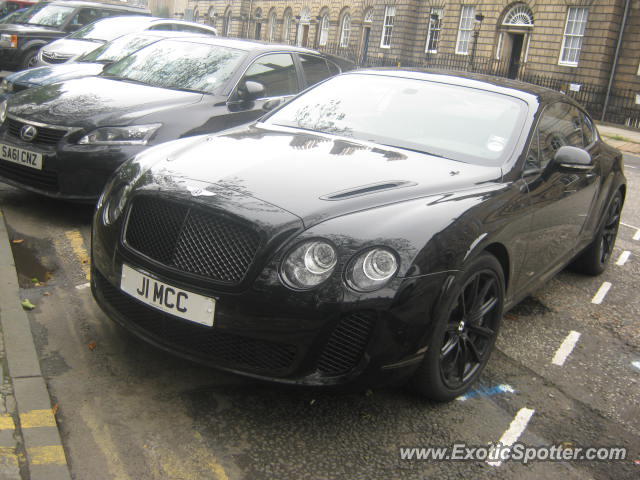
(519, 16)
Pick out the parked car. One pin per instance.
(8, 7)
(92, 36)
(48, 21)
(65, 139)
(373, 229)
(89, 64)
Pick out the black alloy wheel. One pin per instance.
(464, 332)
(610, 229)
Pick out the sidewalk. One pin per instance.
(30, 444)
(622, 138)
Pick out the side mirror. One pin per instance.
(271, 104)
(573, 158)
(249, 91)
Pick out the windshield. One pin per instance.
(108, 29)
(118, 49)
(48, 15)
(460, 123)
(179, 65)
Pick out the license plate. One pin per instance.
(162, 296)
(21, 156)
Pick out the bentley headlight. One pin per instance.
(131, 135)
(6, 86)
(372, 269)
(3, 111)
(115, 202)
(309, 264)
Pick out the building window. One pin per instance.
(345, 31)
(573, 33)
(226, 30)
(467, 16)
(435, 25)
(324, 30)
(286, 26)
(387, 28)
(519, 15)
(272, 26)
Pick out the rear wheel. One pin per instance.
(465, 332)
(593, 261)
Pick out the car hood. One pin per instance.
(18, 29)
(55, 73)
(71, 47)
(94, 102)
(314, 176)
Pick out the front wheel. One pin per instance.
(465, 332)
(29, 60)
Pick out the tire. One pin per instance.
(29, 59)
(594, 259)
(463, 337)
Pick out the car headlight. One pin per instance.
(115, 201)
(132, 135)
(6, 86)
(8, 41)
(372, 269)
(309, 264)
(3, 111)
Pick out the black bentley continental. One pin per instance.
(372, 230)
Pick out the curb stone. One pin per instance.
(45, 455)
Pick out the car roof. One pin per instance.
(84, 3)
(142, 19)
(253, 45)
(526, 91)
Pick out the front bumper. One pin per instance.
(326, 337)
(69, 171)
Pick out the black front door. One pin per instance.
(517, 39)
(365, 44)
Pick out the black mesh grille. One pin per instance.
(191, 240)
(29, 176)
(346, 344)
(45, 136)
(206, 343)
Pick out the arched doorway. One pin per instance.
(367, 24)
(514, 37)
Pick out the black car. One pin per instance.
(373, 229)
(65, 140)
(48, 21)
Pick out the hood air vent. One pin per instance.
(367, 189)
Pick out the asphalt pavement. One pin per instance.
(128, 411)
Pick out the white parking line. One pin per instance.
(566, 348)
(514, 431)
(624, 256)
(636, 236)
(636, 364)
(601, 293)
(83, 286)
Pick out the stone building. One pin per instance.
(571, 43)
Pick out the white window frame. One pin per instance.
(435, 26)
(227, 24)
(273, 23)
(573, 35)
(345, 30)
(324, 30)
(467, 21)
(286, 26)
(387, 27)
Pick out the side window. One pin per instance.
(315, 68)
(276, 72)
(533, 157)
(85, 16)
(560, 125)
(333, 68)
(164, 27)
(588, 130)
(188, 28)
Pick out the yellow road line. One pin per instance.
(37, 418)
(6, 422)
(77, 244)
(8, 457)
(218, 470)
(51, 454)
